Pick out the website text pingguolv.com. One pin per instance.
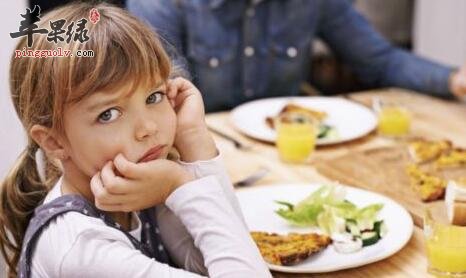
(57, 52)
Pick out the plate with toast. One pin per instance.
(340, 120)
(292, 248)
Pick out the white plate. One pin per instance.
(351, 120)
(258, 207)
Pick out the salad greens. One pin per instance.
(328, 209)
(327, 132)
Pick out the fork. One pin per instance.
(259, 174)
(236, 143)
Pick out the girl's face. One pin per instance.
(120, 121)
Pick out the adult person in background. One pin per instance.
(242, 50)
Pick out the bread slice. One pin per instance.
(292, 108)
(428, 187)
(455, 201)
(422, 150)
(455, 158)
(289, 249)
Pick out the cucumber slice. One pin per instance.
(369, 238)
(352, 227)
(323, 130)
(380, 228)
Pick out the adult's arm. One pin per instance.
(374, 59)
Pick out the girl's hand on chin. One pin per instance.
(141, 185)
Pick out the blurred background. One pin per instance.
(433, 29)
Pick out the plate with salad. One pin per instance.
(339, 119)
(362, 226)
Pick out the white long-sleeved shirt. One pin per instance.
(201, 226)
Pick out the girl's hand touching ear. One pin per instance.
(187, 102)
(192, 140)
(142, 185)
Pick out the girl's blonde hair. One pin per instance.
(125, 50)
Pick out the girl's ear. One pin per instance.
(48, 142)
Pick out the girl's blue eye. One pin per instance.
(154, 98)
(108, 115)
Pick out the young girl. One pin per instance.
(106, 125)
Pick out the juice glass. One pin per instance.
(446, 247)
(394, 120)
(296, 137)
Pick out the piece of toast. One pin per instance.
(291, 108)
(428, 187)
(294, 108)
(422, 150)
(455, 158)
(289, 249)
(455, 201)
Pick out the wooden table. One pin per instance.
(431, 117)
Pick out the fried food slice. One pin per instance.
(455, 158)
(429, 187)
(289, 249)
(292, 108)
(424, 150)
(455, 201)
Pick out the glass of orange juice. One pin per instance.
(445, 245)
(296, 137)
(394, 120)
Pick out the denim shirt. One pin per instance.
(242, 50)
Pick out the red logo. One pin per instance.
(94, 16)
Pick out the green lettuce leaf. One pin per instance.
(327, 208)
